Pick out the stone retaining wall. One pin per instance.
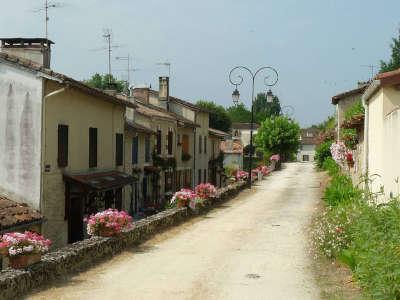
(81, 255)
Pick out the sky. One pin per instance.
(319, 47)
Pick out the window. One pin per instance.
(158, 141)
(147, 149)
(119, 149)
(205, 175)
(178, 139)
(170, 139)
(135, 150)
(185, 144)
(306, 158)
(62, 158)
(200, 144)
(92, 147)
(198, 176)
(205, 144)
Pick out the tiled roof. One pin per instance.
(356, 121)
(354, 92)
(218, 133)
(63, 79)
(389, 78)
(235, 148)
(247, 126)
(138, 127)
(14, 214)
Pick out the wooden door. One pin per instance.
(75, 220)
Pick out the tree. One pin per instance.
(239, 113)
(394, 62)
(263, 109)
(279, 135)
(104, 82)
(219, 118)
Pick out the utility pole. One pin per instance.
(47, 5)
(107, 36)
(372, 68)
(129, 69)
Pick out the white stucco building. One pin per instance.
(308, 142)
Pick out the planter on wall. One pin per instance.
(23, 261)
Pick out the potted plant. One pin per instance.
(241, 175)
(108, 223)
(205, 191)
(182, 198)
(23, 249)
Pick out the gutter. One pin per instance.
(369, 92)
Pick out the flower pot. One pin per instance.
(107, 232)
(181, 203)
(4, 251)
(23, 261)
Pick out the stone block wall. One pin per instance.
(81, 255)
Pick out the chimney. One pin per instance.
(37, 50)
(141, 93)
(163, 92)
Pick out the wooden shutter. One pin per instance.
(119, 149)
(158, 141)
(200, 143)
(92, 147)
(170, 140)
(135, 149)
(62, 157)
(199, 176)
(147, 149)
(205, 175)
(205, 144)
(185, 144)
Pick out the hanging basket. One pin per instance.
(23, 261)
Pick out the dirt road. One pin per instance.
(253, 247)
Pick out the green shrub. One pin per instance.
(341, 190)
(331, 166)
(355, 109)
(322, 152)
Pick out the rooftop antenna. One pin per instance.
(107, 35)
(129, 69)
(167, 64)
(372, 68)
(46, 6)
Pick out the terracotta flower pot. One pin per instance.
(23, 261)
(107, 232)
(182, 203)
(4, 251)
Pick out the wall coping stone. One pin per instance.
(84, 254)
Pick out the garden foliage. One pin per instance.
(361, 233)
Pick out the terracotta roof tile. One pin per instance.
(13, 214)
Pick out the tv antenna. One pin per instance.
(129, 69)
(46, 6)
(107, 35)
(166, 64)
(372, 68)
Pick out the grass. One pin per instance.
(358, 232)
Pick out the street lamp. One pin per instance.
(235, 96)
(270, 96)
(269, 81)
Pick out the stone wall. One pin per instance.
(81, 255)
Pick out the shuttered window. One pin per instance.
(147, 149)
(205, 144)
(198, 176)
(62, 157)
(92, 147)
(158, 141)
(205, 175)
(200, 143)
(135, 149)
(119, 149)
(170, 141)
(185, 144)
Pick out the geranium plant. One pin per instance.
(182, 198)
(17, 244)
(108, 223)
(241, 175)
(339, 151)
(205, 191)
(275, 157)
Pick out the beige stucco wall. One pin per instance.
(79, 111)
(376, 140)
(202, 119)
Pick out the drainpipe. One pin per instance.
(365, 101)
(194, 153)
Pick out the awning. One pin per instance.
(100, 181)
